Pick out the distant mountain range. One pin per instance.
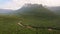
(55, 9)
(5, 11)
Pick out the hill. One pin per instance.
(35, 14)
(5, 11)
(55, 9)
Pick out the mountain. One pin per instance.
(55, 9)
(36, 14)
(35, 9)
(5, 11)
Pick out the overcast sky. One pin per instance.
(15, 4)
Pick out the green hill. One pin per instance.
(37, 15)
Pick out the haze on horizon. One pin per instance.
(16, 4)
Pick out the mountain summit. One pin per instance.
(36, 15)
(34, 9)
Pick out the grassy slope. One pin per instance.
(40, 17)
(8, 25)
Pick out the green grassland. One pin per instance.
(8, 25)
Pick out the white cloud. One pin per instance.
(15, 4)
(52, 2)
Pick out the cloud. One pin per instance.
(52, 2)
(16, 4)
(13, 5)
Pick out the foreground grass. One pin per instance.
(8, 25)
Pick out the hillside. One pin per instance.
(55, 9)
(34, 14)
(31, 9)
(6, 11)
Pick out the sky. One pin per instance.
(16, 4)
